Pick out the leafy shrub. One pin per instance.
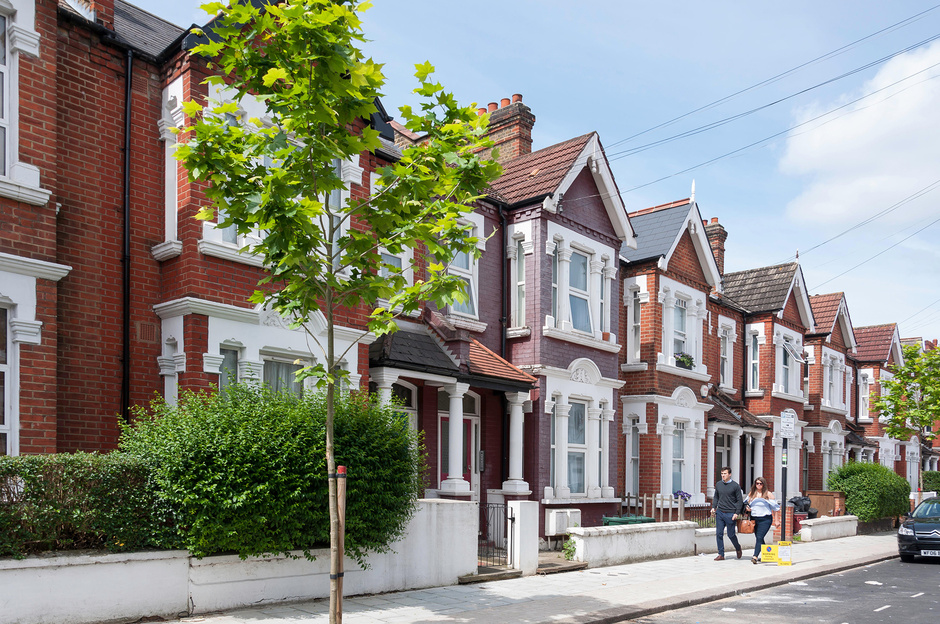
(85, 500)
(245, 471)
(872, 491)
(932, 481)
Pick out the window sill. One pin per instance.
(166, 250)
(465, 322)
(833, 410)
(579, 338)
(227, 251)
(865, 421)
(798, 398)
(634, 367)
(33, 195)
(727, 389)
(681, 372)
(754, 394)
(518, 332)
(578, 499)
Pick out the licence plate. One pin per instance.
(930, 553)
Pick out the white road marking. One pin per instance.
(729, 609)
(872, 583)
(918, 595)
(882, 608)
(801, 583)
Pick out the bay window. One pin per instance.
(281, 376)
(788, 369)
(635, 324)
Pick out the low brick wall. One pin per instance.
(825, 528)
(613, 545)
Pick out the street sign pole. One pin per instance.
(783, 507)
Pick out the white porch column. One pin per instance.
(384, 378)
(697, 436)
(759, 456)
(516, 483)
(607, 417)
(455, 483)
(736, 456)
(610, 272)
(710, 461)
(564, 274)
(701, 313)
(669, 324)
(561, 450)
(593, 442)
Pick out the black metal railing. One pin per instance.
(494, 545)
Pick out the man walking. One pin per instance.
(726, 505)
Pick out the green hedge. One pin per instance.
(245, 471)
(931, 481)
(872, 491)
(60, 502)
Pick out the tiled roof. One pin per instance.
(724, 411)
(761, 290)
(143, 31)
(482, 361)
(656, 230)
(874, 342)
(413, 350)
(857, 440)
(825, 308)
(538, 173)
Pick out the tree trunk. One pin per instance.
(336, 554)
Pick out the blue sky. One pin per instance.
(621, 68)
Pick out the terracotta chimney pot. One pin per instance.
(503, 103)
(492, 106)
(481, 110)
(516, 97)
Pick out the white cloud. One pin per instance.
(874, 153)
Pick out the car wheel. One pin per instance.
(907, 558)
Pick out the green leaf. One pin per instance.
(273, 75)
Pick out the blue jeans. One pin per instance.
(761, 526)
(723, 521)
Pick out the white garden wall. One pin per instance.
(82, 588)
(613, 545)
(705, 542)
(827, 527)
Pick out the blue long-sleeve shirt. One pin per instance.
(761, 507)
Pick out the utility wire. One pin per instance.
(781, 75)
(883, 251)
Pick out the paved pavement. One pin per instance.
(595, 595)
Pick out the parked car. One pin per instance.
(919, 534)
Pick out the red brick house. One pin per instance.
(879, 347)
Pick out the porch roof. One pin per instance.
(725, 412)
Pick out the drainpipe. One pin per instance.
(503, 323)
(126, 259)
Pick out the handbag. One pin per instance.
(745, 524)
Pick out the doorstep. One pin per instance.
(553, 561)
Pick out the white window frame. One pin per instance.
(635, 296)
(19, 180)
(789, 342)
(727, 337)
(753, 348)
(680, 336)
(471, 276)
(578, 448)
(864, 389)
(671, 293)
(634, 441)
(517, 251)
(577, 293)
(411, 412)
(6, 379)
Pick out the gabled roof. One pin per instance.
(545, 175)
(142, 30)
(876, 342)
(539, 173)
(830, 309)
(658, 231)
(767, 289)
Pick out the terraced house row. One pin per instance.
(601, 353)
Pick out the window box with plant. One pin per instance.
(684, 360)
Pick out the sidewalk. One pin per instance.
(608, 594)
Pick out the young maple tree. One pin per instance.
(276, 176)
(909, 403)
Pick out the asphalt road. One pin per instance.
(890, 591)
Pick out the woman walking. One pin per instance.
(761, 505)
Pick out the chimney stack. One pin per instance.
(717, 235)
(510, 128)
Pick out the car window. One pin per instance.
(927, 510)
